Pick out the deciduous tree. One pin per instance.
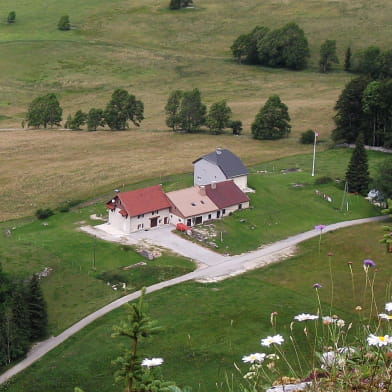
(76, 121)
(285, 47)
(328, 55)
(95, 119)
(219, 116)
(192, 112)
(121, 108)
(383, 179)
(272, 121)
(44, 111)
(172, 109)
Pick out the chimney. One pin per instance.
(218, 151)
(202, 190)
(213, 185)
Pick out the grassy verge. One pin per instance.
(210, 326)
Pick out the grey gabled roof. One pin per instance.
(229, 163)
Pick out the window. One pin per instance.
(209, 216)
(140, 216)
(193, 204)
(202, 201)
(239, 206)
(224, 211)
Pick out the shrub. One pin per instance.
(307, 137)
(64, 23)
(323, 180)
(44, 213)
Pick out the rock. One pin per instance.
(290, 387)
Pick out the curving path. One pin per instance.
(215, 267)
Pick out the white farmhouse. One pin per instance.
(220, 165)
(141, 209)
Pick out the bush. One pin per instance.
(43, 213)
(307, 137)
(11, 17)
(67, 205)
(64, 24)
(323, 180)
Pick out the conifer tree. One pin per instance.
(130, 367)
(357, 175)
(37, 310)
(347, 60)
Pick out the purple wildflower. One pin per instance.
(369, 263)
(317, 286)
(320, 227)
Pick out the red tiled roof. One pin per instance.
(110, 205)
(142, 201)
(226, 194)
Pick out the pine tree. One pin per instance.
(357, 175)
(347, 60)
(37, 310)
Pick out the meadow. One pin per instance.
(141, 46)
(209, 327)
(145, 48)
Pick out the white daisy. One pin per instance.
(379, 341)
(277, 339)
(252, 358)
(152, 362)
(305, 317)
(340, 323)
(388, 306)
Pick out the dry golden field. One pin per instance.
(41, 169)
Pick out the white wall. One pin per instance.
(205, 173)
(131, 224)
(174, 219)
(241, 182)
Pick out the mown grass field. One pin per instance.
(208, 327)
(286, 203)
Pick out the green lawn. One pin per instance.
(210, 326)
(74, 288)
(279, 209)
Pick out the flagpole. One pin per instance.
(314, 153)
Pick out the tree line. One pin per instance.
(23, 315)
(185, 112)
(123, 107)
(365, 106)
